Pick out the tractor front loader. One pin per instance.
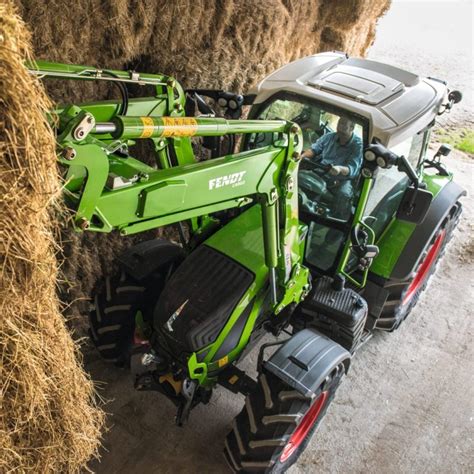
(271, 242)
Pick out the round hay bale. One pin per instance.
(49, 421)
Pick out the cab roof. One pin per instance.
(397, 103)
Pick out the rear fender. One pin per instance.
(425, 231)
(306, 359)
(402, 244)
(143, 259)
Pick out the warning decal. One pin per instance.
(179, 126)
(148, 127)
(223, 361)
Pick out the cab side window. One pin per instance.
(411, 148)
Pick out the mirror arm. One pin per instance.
(442, 171)
(405, 166)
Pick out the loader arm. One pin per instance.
(107, 189)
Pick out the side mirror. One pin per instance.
(443, 150)
(414, 205)
(455, 97)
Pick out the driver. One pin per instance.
(342, 151)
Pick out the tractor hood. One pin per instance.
(198, 300)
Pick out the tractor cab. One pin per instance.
(384, 105)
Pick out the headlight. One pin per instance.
(381, 162)
(369, 155)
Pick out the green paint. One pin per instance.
(109, 190)
(242, 240)
(358, 220)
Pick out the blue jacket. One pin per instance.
(333, 153)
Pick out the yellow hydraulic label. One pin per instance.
(179, 126)
(148, 127)
(223, 361)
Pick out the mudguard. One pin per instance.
(402, 243)
(380, 284)
(424, 232)
(306, 359)
(143, 259)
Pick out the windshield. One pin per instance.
(332, 156)
(329, 173)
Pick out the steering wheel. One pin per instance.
(311, 178)
(312, 193)
(304, 202)
(313, 183)
(309, 164)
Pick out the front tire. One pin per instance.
(277, 423)
(123, 305)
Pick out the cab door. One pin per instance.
(327, 205)
(378, 205)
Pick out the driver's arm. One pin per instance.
(355, 162)
(316, 148)
(308, 153)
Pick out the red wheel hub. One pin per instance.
(304, 427)
(425, 266)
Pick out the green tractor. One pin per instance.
(320, 218)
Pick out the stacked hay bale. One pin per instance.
(49, 421)
(203, 43)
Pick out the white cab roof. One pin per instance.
(396, 103)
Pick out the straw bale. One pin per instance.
(49, 420)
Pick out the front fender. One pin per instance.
(424, 232)
(306, 359)
(143, 259)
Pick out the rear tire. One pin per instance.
(403, 296)
(276, 424)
